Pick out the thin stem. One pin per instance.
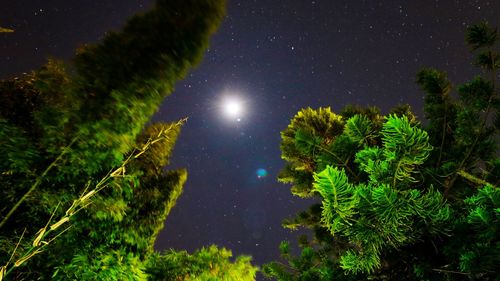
(17, 245)
(450, 271)
(443, 135)
(341, 163)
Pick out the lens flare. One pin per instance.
(261, 173)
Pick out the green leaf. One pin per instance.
(338, 198)
(406, 146)
(358, 128)
(476, 93)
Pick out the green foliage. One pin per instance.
(377, 215)
(60, 134)
(359, 129)
(16, 153)
(158, 47)
(102, 264)
(481, 35)
(206, 264)
(338, 196)
(316, 138)
(480, 222)
(405, 147)
(156, 157)
(309, 266)
(476, 93)
(398, 199)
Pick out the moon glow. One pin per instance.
(233, 108)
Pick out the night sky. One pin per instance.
(275, 57)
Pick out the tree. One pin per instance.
(205, 264)
(398, 199)
(62, 131)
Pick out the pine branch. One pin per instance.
(340, 163)
(473, 146)
(473, 178)
(450, 271)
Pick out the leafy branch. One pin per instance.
(37, 183)
(52, 230)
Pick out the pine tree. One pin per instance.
(400, 201)
(60, 134)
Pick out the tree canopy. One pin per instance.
(400, 200)
(84, 190)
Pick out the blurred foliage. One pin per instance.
(206, 264)
(400, 201)
(6, 30)
(62, 131)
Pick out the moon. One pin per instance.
(233, 108)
